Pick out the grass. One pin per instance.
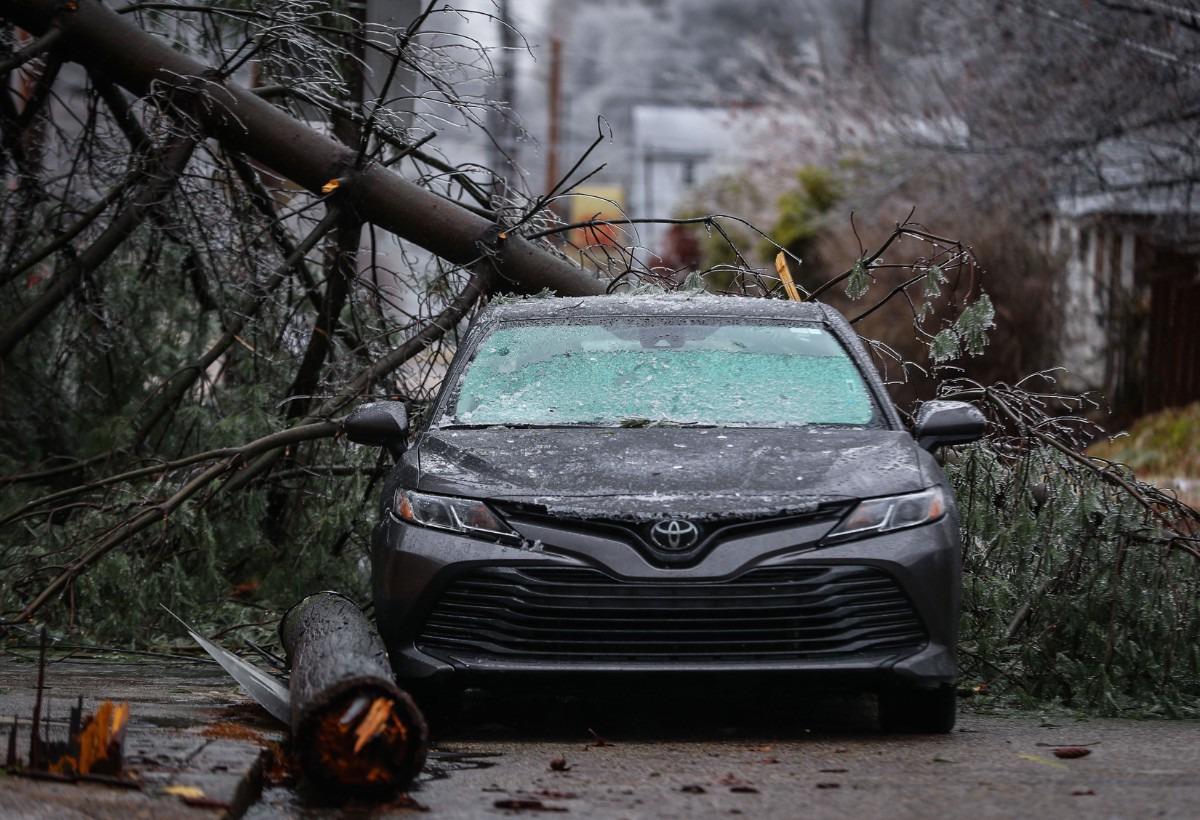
(1163, 448)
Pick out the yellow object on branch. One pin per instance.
(785, 276)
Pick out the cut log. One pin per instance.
(354, 731)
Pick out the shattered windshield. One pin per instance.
(660, 372)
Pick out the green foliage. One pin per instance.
(1073, 593)
(79, 388)
(77, 383)
(213, 563)
(859, 280)
(944, 346)
(973, 324)
(693, 283)
(968, 334)
(935, 277)
(801, 215)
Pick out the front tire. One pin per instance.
(442, 706)
(918, 711)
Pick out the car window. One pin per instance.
(685, 372)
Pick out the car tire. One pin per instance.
(440, 706)
(918, 711)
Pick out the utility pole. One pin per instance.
(500, 116)
(554, 112)
(866, 30)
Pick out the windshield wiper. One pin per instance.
(640, 422)
(632, 422)
(505, 425)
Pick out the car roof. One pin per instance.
(656, 304)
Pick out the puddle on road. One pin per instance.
(440, 765)
(282, 801)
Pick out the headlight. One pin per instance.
(445, 513)
(879, 515)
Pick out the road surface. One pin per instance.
(697, 755)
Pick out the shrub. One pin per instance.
(1080, 584)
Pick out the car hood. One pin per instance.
(649, 472)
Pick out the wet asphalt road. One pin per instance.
(818, 757)
(708, 755)
(993, 766)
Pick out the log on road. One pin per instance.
(353, 729)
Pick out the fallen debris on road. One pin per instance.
(354, 731)
(92, 749)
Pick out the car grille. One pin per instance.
(637, 534)
(585, 615)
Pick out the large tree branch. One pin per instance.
(175, 387)
(146, 65)
(341, 270)
(65, 237)
(166, 170)
(160, 512)
(234, 321)
(405, 149)
(367, 378)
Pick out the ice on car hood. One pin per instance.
(649, 472)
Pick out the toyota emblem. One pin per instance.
(674, 534)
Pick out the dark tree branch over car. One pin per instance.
(96, 36)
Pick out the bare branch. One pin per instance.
(165, 167)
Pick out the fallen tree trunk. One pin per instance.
(353, 730)
(102, 40)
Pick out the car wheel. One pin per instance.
(440, 706)
(918, 711)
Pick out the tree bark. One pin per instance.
(353, 729)
(99, 38)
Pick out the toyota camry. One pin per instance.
(650, 487)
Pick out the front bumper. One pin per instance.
(877, 612)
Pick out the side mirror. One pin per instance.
(381, 424)
(948, 422)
